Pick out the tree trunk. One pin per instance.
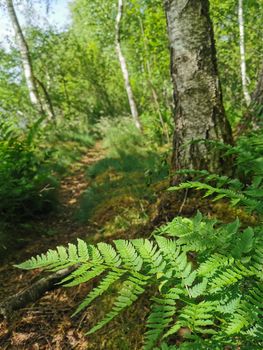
(243, 68)
(199, 111)
(253, 117)
(27, 63)
(257, 98)
(124, 69)
(48, 105)
(34, 292)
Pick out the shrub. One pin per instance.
(204, 277)
(121, 137)
(27, 187)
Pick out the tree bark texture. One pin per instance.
(31, 80)
(48, 105)
(25, 56)
(243, 67)
(124, 69)
(199, 111)
(34, 292)
(253, 117)
(257, 97)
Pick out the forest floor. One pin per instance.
(126, 206)
(47, 323)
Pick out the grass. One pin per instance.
(120, 190)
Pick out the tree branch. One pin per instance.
(34, 292)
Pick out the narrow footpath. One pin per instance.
(47, 324)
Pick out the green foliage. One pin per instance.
(27, 186)
(31, 156)
(225, 20)
(130, 165)
(247, 189)
(249, 157)
(120, 136)
(248, 197)
(203, 276)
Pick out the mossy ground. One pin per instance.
(100, 200)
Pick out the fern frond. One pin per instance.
(51, 260)
(210, 266)
(206, 276)
(198, 289)
(229, 276)
(83, 252)
(229, 306)
(128, 254)
(59, 258)
(82, 269)
(128, 294)
(239, 320)
(160, 317)
(257, 259)
(109, 254)
(235, 197)
(150, 255)
(197, 317)
(111, 278)
(86, 276)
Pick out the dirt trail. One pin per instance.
(47, 323)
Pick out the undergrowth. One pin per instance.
(204, 280)
(203, 277)
(131, 164)
(33, 159)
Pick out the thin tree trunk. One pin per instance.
(27, 64)
(25, 56)
(257, 97)
(253, 117)
(48, 105)
(124, 69)
(243, 68)
(199, 111)
(34, 292)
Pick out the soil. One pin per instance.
(47, 324)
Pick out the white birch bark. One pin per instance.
(199, 111)
(247, 97)
(25, 57)
(124, 69)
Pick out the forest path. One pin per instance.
(62, 226)
(43, 325)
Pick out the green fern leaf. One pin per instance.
(128, 254)
(104, 285)
(150, 255)
(109, 254)
(159, 319)
(198, 289)
(83, 252)
(128, 294)
(86, 276)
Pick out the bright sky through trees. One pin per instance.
(58, 15)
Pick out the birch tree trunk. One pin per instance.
(253, 117)
(31, 81)
(243, 68)
(199, 111)
(124, 69)
(257, 97)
